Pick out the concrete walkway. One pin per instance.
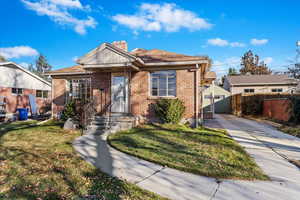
(179, 185)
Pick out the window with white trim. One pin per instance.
(79, 89)
(42, 94)
(163, 83)
(249, 90)
(277, 90)
(17, 91)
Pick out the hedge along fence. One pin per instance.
(253, 104)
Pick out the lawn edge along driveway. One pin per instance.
(200, 151)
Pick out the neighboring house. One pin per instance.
(129, 83)
(16, 83)
(259, 84)
(216, 100)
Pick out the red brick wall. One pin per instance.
(141, 101)
(277, 109)
(59, 95)
(22, 101)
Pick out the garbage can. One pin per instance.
(23, 113)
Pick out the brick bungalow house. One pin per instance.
(16, 83)
(123, 82)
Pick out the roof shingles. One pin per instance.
(73, 69)
(259, 79)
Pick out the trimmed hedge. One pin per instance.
(169, 110)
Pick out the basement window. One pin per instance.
(163, 83)
(249, 90)
(17, 91)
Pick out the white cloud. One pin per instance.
(257, 42)
(157, 17)
(237, 44)
(17, 52)
(218, 42)
(68, 3)
(223, 43)
(58, 11)
(268, 60)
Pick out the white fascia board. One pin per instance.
(177, 63)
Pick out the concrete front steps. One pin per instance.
(110, 124)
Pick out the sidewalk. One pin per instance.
(164, 181)
(179, 185)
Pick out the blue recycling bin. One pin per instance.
(23, 113)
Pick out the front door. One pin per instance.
(119, 94)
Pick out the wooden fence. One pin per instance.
(241, 104)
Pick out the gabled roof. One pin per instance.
(260, 79)
(25, 70)
(104, 46)
(137, 59)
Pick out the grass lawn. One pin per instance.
(291, 130)
(38, 162)
(200, 151)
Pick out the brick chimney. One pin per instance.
(120, 44)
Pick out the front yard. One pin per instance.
(38, 162)
(200, 151)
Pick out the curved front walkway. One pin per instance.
(179, 185)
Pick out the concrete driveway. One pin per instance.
(271, 150)
(259, 141)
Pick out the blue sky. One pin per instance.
(65, 29)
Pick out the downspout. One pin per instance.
(213, 99)
(196, 96)
(52, 98)
(201, 92)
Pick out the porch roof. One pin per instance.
(76, 69)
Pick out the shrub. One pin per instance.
(252, 106)
(295, 109)
(169, 110)
(69, 111)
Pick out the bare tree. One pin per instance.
(251, 64)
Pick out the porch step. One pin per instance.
(113, 119)
(109, 124)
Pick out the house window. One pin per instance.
(276, 90)
(45, 94)
(42, 93)
(219, 96)
(163, 83)
(17, 91)
(80, 89)
(249, 90)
